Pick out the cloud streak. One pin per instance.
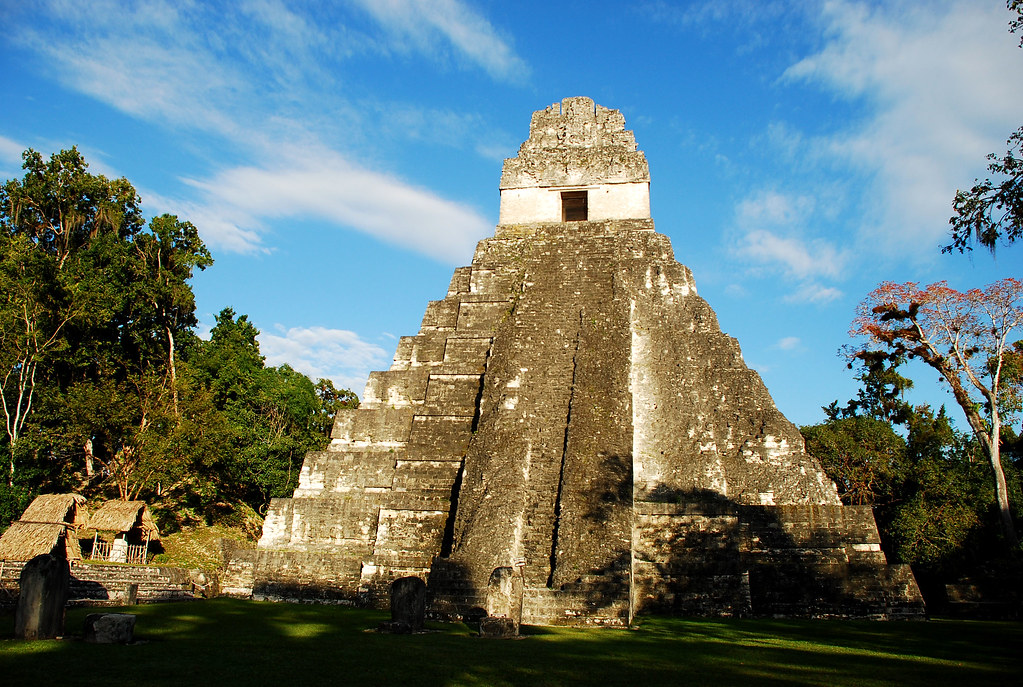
(944, 88)
(318, 352)
(189, 66)
(237, 204)
(799, 258)
(431, 24)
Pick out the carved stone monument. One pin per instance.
(572, 410)
(43, 585)
(408, 606)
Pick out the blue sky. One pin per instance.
(341, 158)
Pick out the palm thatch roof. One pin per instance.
(25, 540)
(125, 516)
(56, 508)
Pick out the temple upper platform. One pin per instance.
(579, 164)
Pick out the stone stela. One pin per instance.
(571, 437)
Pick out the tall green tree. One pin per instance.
(53, 223)
(166, 258)
(863, 455)
(274, 414)
(93, 301)
(928, 483)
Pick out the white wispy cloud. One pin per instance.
(944, 86)
(815, 293)
(318, 352)
(187, 65)
(146, 60)
(799, 258)
(751, 17)
(789, 343)
(10, 158)
(772, 228)
(464, 130)
(237, 204)
(774, 237)
(10, 151)
(429, 24)
(774, 208)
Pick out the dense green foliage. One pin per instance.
(929, 484)
(106, 389)
(227, 641)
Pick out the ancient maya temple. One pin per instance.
(571, 415)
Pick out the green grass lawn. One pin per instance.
(227, 642)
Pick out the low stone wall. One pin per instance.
(97, 584)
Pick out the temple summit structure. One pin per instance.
(571, 429)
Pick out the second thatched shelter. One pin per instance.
(133, 528)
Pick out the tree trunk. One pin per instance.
(90, 467)
(173, 371)
(990, 441)
(1001, 489)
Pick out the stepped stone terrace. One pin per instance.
(571, 416)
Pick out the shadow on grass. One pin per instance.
(227, 642)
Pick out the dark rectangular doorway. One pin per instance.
(573, 206)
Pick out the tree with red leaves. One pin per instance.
(965, 337)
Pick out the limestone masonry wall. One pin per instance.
(571, 414)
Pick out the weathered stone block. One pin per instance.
(395, 388)
(109, 628)
(504, 595)
(467, 354)
(440, 316)
(450, 394)
(498, 628)
(438, 437)
(482, 316)
(411, 475)
(376, 425)
(460, 281)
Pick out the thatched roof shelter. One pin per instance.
(125, 516)
(25, 540)
(56, 508)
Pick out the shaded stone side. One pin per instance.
(706, 558)
(98, 584)
(821, 562)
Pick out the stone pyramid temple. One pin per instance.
(571, 418)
